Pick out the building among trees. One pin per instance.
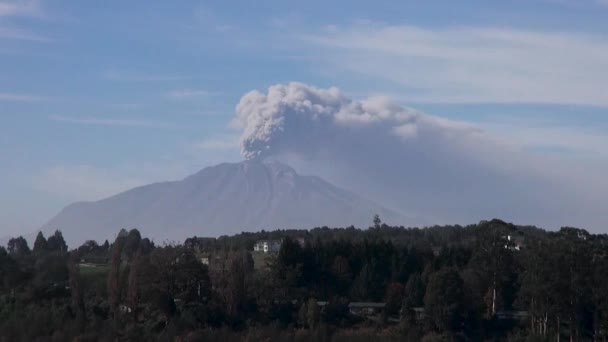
(268, 246)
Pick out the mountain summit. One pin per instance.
(224, 199)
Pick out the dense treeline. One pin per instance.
(490, 281)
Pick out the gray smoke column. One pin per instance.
(304, 119)
(443, 170)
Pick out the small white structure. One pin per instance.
(267, 246)
(514, 243)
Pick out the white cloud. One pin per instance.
(471, 64)
(110, 122)
(443, 170)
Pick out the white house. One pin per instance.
(267, 246)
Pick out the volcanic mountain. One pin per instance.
(224, 199)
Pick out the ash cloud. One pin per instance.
(443, 170)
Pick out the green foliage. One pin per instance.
(56, 243)
(439, 283)
(40, 245)
(444, 301)
(18, 247)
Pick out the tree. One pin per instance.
(236, 288)
(600, 296)
(413, 298)
(146, 246)
(176, 272)
(494, 260)
(51, 270)
(303, 315)
(313, 314)
(394, 298)
(132, 241)
(362, 286)
(538, 284)
(89, 247)
(288, 268)
(10, 274)
(376, 221)
(444, 301)
(166, 304)
(18, 247)
(414, 291)
(78, 304)
(133, 290)
(40, 245)
(341, 271)
(57, 243)
(113, 287)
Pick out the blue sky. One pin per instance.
(99, 97)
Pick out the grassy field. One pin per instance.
(94, 276)
(94, 269)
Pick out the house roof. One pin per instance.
(269, 241)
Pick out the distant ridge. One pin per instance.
(224, 199)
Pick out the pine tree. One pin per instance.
(40, 245)
(56, 243)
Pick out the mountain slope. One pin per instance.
(223, 199)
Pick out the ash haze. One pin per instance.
(440, 169)
(427, 111)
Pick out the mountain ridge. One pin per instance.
(223, 199)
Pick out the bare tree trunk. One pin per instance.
(532, 317)
(558, 330)
(532, 324)
(494, 299)
(571, 328)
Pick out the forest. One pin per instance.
(491, 281)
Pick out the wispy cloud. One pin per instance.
(90, 121)
(128, 76)
(18, 34)
(189, 93)
(548, 136)
(471, 64)
(20, 8)
(13, 97)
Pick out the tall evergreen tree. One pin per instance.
(56, 243)
(40, 244)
